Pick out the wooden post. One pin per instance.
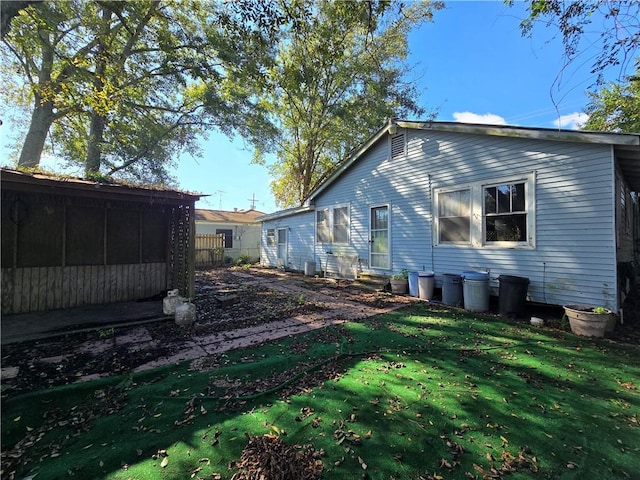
(191, 253)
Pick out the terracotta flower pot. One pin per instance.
(584, 321)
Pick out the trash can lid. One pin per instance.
(513, 279)
(426, 274)
(475, 275)
(452, 275)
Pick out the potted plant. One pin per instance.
(590, 321)
(400, 282)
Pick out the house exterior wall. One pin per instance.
(246, 237)
(571, 258)
(299, 248)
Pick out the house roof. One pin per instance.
(626, 146)
(224, 216)
(51, 184)
(286, 213)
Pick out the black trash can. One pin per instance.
(512, 295)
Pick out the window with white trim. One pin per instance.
(454, 216)
(505, 214)
(332, 225)
(492, 213)
(271, 237)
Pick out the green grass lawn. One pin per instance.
(419, 393)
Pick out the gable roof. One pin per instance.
(224, 216)
(626, 146)
(59, 185)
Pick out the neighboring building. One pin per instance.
(69, 242)
(240, 228)
(554, 206)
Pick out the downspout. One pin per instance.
(431, 220)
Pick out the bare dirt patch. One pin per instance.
(226, 299)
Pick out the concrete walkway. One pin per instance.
(336, 311)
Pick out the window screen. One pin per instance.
(85, 236)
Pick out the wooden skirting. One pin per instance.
(46, 288)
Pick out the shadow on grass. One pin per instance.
(413, 393)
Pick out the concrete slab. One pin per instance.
(9, 372)
(136, 335)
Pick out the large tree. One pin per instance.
(611, 29)
(124, 87)
(339, 75)
(616, 107)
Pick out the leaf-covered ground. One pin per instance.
(421, 393)
(225, 301)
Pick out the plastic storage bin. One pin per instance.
(425, 285)
(451, 289)
(513, 294)
(413, 284)
(475, 286)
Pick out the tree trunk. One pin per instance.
(93, 159)
(94, 149)
(41, 120)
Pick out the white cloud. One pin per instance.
(486, 118)
(573, 121)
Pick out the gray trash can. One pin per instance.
(512, 295)
(475, 286)
(451, 289)
(413, 284)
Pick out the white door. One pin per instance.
(379, 237)
(282, 247)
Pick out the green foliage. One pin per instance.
(616, 107)
(339, 75)
(613, 28)
(125, 87)
(601, 310)
(244, 259)
(404, 275)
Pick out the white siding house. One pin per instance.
(240, 228)
(553, 206)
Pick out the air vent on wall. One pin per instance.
(397, 146)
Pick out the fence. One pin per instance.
(209, 249)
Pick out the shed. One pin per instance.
(559, 207)
(68, 242)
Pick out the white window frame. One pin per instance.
(478, 214)
(505, 243)
(436, 196)
(330, 212)
(271, 237)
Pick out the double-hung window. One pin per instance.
(454, 216)
(271, 237)
(505, 214)
(332, 225)
(492, 213)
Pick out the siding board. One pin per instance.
(573, 259)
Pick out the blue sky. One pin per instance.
(472, 65)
